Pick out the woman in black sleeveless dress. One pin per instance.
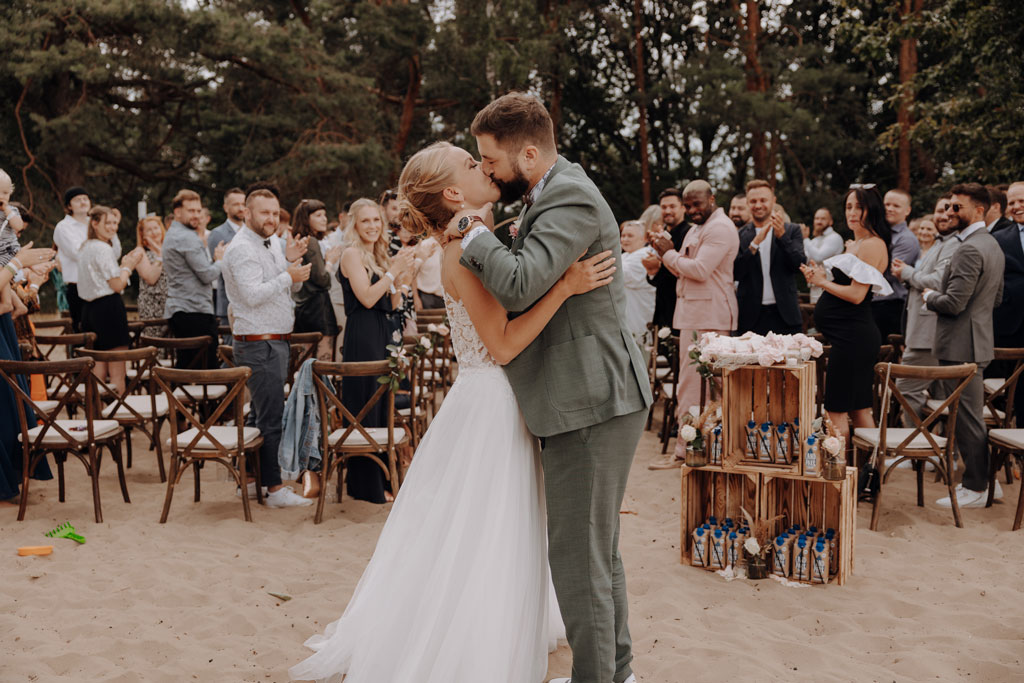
(843, 313)
(367, 277)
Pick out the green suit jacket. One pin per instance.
(585, 367)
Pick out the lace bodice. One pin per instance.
(469, 349)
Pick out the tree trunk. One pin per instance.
(909, 9)
(412, 92)
(756, 82)
(641, 94)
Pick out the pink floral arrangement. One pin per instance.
(751, 348)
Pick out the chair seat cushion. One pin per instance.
(668, 390)
(379, 434)
(213, 391)
(661, 373)
(404, 412)
(227, 436)
(992, 384)
(141, 404)
(894, 436)
(1012, 437)
(47, 406)
(934, 403)
(77, 430)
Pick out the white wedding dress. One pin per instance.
(457, 590)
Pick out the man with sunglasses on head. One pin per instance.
(971, 288)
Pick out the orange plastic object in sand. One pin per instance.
(35, 550)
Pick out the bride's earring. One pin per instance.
(462, 205)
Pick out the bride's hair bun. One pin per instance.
(413, 219)
(422, 208)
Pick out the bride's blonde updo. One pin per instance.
(422, 209)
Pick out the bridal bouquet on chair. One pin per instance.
(753, 349)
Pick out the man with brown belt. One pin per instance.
(259, 281)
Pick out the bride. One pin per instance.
(457, 590)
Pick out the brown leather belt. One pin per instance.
(261, 337)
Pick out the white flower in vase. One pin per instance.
(688, 433)
(752, 546)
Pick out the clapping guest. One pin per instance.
(68, 236)
(843, 313)
(672, 217)
(190, 275)
(149, 233)
(313, 309)
(101, 281)
(971, 288)
(770, 254)
(823, 243)
(739, 213)
(368, 276)
(705, 297)
(260, 281)
(640, 293)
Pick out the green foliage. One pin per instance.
(138, 98)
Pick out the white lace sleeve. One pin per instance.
(860, 272)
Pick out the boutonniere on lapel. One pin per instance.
(513, 230)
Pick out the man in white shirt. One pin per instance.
(68, 236)
(259, 281)
(824, 243)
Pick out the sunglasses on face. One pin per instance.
(955, 208)
(865, 186)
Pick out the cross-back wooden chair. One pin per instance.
(348, 438)
(42, 432)
(657, 368)
(897, 342)
(206, 440)
(413, 418)
(204, 395)
(47, 346)
(226, 353)
(52, 326)
(886, 354)
(1006, 441)
(668, 392)
(139, 407)
(918, 443)
(301, 347)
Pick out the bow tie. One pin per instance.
(266, 243)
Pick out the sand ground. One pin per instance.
(188, 600)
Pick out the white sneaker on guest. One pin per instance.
(284, 497)
(252, 490)
(966, 498)
(631, 679)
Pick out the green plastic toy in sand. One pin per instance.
(65, 530)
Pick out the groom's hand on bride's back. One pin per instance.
(588, 274)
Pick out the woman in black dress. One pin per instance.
(843, 313)
(370, 282)
(313, 309)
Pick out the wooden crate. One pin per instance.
(808, 501)
(767, 394)
(710, 490)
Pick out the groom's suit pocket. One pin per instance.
(574, 374)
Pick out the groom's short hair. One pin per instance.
(514, 121)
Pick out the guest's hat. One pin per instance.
(73, 192)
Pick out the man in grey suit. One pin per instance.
(971, 287)
(582, 384)
(920, 335)
(234, 209)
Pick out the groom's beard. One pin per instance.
(512, 190)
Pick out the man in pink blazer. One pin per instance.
(705, 295)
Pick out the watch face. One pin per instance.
(464, 224)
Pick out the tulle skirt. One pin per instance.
(458, 589)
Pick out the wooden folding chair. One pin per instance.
(203, 395)
(351, 439)
(657, 368)
(139, 406)
(205, 440)
(919, 443)
(43, 433)
(668, 392)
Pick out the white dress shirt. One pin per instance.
(826, 245)
(764, 252)
(69, 235)
(258, 286)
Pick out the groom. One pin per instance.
(582, 384)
